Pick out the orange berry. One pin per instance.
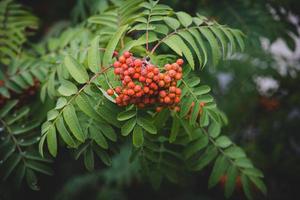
(127, 54)
(110, 92)
(180, 61)
(202, 104)
(137, 62)
(167, 100)
(172, 73)
(146, 89)
(167, 79)
(172, 95)
(176, 108)
(130, 92)
(162, 93)
(172, 89)
(131, 85)
(159, 108)
(176, 100)
(117, 64)
(178, 91)
(150, 75)
(161, 83)
(178, 76)
(122, 59)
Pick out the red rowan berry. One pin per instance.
(137, 88)
(178, 91)
(110, 92)
(176, 108)
(122, 59)
(136, 76)
(142, 79)
(159, 108)
(161, 83)
(168, 67)
(180, 61)
(130, 92)
(131, 70)
(162, 93)
(124, 66)
(148, 80)
(117, 64)
(167, 100)
(202, 104)
(178, 76)
(167, 79)
(137, 62)
(176, 100)
(118, 90)
(127, 54)
(131, 85)
(146, 89)
(172, 89)
(172, 95)
(172, 73)
(150, 75)
(127, 79)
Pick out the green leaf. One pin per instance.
(253, 172)
(64, 133)
(147, 125)
(9, 105)
(83, 103)
(210, 153)
(214, 130)
(73, 123)
(10, 165)
(243, 162)
(39, 167)
(195, 146)
(172, 22)
(137, 137)
(111, 46)
(216, 54)
(52, 114)
(246, 186)
(52, 141)
(232, 173)
(184, 18)
(259, 184)
(235, 152)
(31, 179)
(103, 156)
(76, 70)
(177, 44)
(67, 88)
(174, 129)
(61, 102)
(94, 55)
(223, 142)
(171, 42)
(128, 127)
(89, 159)
(219, 169)
(99, 138)
(126, 115)
(108, 131)
(41, 145)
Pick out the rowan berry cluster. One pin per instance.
(145, 84)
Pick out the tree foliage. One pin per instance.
(75, 70)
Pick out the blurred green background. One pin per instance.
(259, 90)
